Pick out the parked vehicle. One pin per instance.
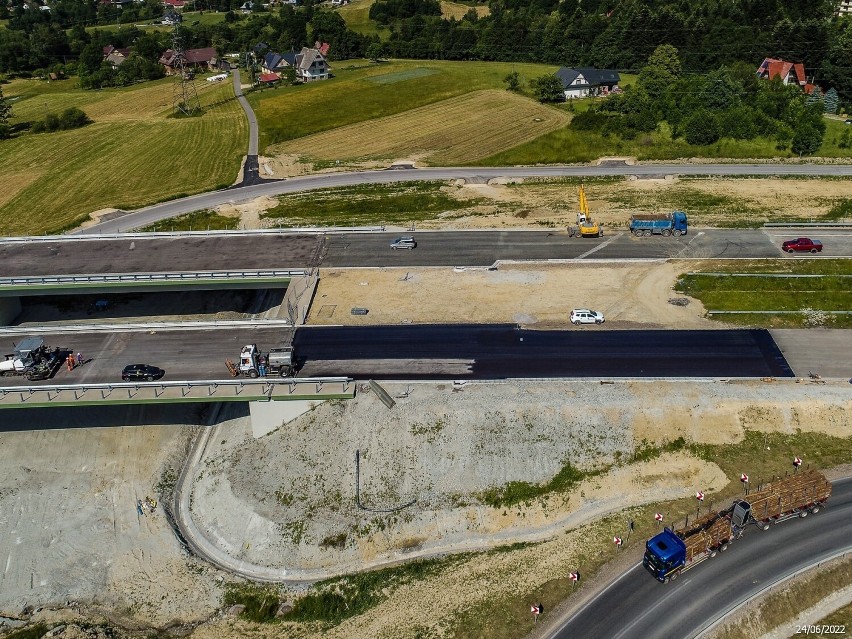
(586, 316)
(675, 550)
(32, 359)
(802, 244)
(664, 224)
(406, 242)
(253, 363)
(141, 372)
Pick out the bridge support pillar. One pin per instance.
(10, 308)
(267, 416)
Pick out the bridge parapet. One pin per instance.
(250, 390)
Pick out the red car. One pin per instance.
(802, 244)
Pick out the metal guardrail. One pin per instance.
(772, 275)
(807, 225)
(306, 230)
(264, 389)
(777, 312)
(121, 278)
(116, 327)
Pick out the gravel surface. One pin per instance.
(287, 499)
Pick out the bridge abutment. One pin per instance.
(267, 416)
(10, 308)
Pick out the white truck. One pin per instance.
(254, 363)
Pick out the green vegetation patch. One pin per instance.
(261, 601)
(399, 76)
(520, 492)
(207, 220)
(335, 600)
(756, 289)
(367, 204)
(840, 211)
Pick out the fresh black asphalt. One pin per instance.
(506, 351)
(639, 607)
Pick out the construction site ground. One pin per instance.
(77, 547)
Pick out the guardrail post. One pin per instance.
(162, 390)
(292, 387)
(346, 386)
(319, 386)
(185, 392)
(211, 388)
(239, 389)
(22, 398)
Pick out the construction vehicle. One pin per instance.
(254, 363)
(586, 226)
(665, 224)
(673, 551)
(32, 359)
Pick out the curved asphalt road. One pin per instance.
(151, 214)
(636, 606)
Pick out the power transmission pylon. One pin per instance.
(184, 95)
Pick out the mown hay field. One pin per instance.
(361, 91)
(459, 11)
(132, 155)
(459, 130)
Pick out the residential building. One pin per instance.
(278, 62)
(115, 56)
(205, 59)
(586, 81)
(789, 72)
(844, 7)
(311, 64)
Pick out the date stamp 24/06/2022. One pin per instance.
(834, 629)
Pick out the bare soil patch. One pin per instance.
(535, 295)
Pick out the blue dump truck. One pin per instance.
(665, 224)
(674, 550)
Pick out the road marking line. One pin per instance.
(600, 246)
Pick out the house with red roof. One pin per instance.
(789, 72)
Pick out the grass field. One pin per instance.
(133, 154)
(760, 291)
(357, 17)
(458, 130)
(354, 95)
(190, 18)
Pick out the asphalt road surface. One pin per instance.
(428, 352)
(647, 609)
(435, 248)
(158, 255)
(157, 212)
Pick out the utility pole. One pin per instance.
(184, 95)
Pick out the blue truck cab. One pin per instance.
(679, 222)
(664, 554)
